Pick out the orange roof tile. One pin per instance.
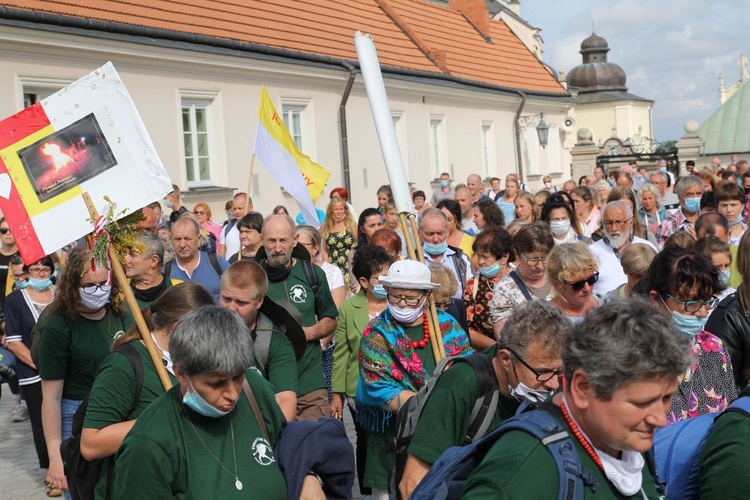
(326, 28)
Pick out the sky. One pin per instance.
(671, 50)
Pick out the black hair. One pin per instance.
(680, 271)
(495, 240)
(367, 212)
(491, 213)
(369, 259)
(253, 220)
(453, 207)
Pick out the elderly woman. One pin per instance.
(622, 365)
(202, 212)
(558, 212)
(532, 243)
(396, 360)
(493, 250)
(635, 260)
(83, 320)
(186, 444)
(602, 189)
(649, 211)
(586, 210)
(572, 270)
(250, 227)
(112, 410)
(369, 263)
(684, 284)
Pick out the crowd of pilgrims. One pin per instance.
(616, 303)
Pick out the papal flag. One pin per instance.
(293, 170)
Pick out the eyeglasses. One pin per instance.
(40, 270)
(199, 212)
(540, 376)
(578, 285)
(94, 288)
(410, 301)
(535, 261)
(693, 306)
(4, 230)
(617, 223)
(443, 305)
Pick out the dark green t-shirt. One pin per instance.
(378, 467)
(166, 454)
(112, 394)
(723, 459)
(518, 466)
(445, 420)
(295, 290)
(74, 351)
(281, 366)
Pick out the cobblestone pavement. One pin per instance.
(20, 476)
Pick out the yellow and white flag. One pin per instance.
(293, 170)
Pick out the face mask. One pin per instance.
(688, 324)
(523, 393)
(548, 185)
(195, 402)
(96, 300)
(693, 205)
(406, 315)
(444, 183)
(491, 271)
(230, 215)
(39, 284)
(436, 249)
(378, 291)
(22, 284)
(167, 203)
(736, 221)
(663, 169)
(724, 276)
(560, 227)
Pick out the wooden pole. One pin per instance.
(247, 202)
(153, 351)
(414, 250)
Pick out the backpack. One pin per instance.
(212, 259)
(82, 474)
(677, 448)
(448, 476)
(480, 418)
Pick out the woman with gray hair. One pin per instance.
(185, 444)
(602, 189)
(622, 366)
(649, 211)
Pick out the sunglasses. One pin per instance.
(578, 285)
(199, 212)
(4, 230)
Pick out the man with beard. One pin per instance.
(617, 223)
(290, 279)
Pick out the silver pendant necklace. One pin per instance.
(237, 482)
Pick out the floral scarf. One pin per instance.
(388, 364)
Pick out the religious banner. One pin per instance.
(88, 137)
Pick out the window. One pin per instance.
(488, 149)
(200, 131)
(438, 153)
(35, 90)
(297, 116)
(196, 143)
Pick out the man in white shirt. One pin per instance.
(669, 201)
(463, 197)
(229, 239)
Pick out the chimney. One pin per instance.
(476, 13)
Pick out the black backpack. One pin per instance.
(82, 475)
(479, 421)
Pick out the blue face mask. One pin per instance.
(724, 276)
(230, 215)
(195, 402)
(491, 271)
(39, 284)
(693, 205)
(22, 284)
(663, 169)
(444, 183)
(434, 249)
(378, 291)
(687, 324)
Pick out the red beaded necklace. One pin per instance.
(579, 436)
(419, 344)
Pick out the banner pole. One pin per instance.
(247, 202)
(153, 351)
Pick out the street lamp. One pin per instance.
(542, 130)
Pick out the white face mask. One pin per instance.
(97, 299)
(560, 227)
(523, 393)
(406, 315)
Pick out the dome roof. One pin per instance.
(596, 74)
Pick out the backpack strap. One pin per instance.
(312, 280)
(262, 341)
(213, 259)
(487, 396)
(168, 268)
(254, 405)
(521, 285)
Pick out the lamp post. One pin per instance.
(542, 130)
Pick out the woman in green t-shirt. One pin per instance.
(108, 414)
(84, 319)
